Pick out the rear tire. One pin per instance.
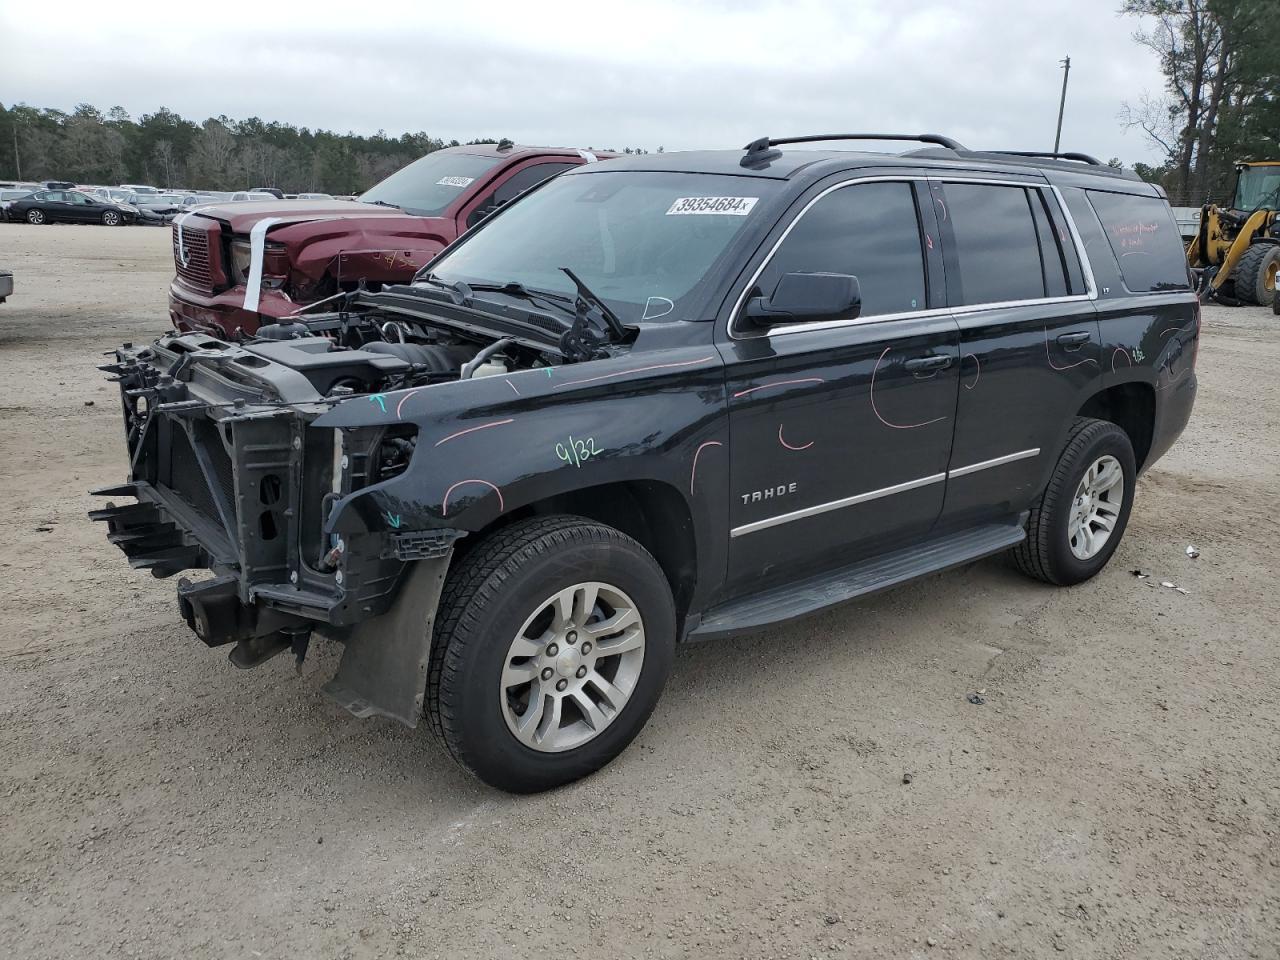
(509, 670)
(35, 217)
(1059, 549)
(1255, 273)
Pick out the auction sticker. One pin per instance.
(732, 206)
(455, 181)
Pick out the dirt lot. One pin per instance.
(1116, 796)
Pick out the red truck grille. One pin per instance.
(191, 257)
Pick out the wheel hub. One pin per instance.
(568, 662)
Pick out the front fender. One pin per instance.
(489, 446)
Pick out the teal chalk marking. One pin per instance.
(394, 521)
(380, 400)
(548, 369)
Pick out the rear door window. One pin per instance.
(869, 230)
(995, 243)
(1145, 239)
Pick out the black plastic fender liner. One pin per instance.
(384, 666)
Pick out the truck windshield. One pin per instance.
(426, 187)
(642, 241)
(1258, 189)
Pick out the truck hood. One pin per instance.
(241, 217)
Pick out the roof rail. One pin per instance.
(1050, 155)
(758, 152)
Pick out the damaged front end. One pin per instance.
(229, 475)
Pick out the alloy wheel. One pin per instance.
(1095, 508)
(572, 667)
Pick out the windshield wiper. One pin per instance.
(384, 203)
(586, 300)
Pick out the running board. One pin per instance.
(761, 610)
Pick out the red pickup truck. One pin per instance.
(243, 264)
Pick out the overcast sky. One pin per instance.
(699, 73)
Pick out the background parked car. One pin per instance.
(8, 196)
(316, 196)
(191, 200)
(70, 206)
(157, 209)
(116, 194)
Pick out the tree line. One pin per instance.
(168, 150)
(1221, 101)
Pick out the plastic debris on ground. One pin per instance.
(1193, 551)
(976, 699)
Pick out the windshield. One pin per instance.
(1258, 189)
(427, 186)
(640, 241)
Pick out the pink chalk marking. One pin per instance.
(1124, 353)
(1069, 366)
(1185, 371)
(483, 426)
(777, 383)
(406, 397)
(444, 503)
(513, 387)
(929, 241)
(978, 375)
(623, 373)
(876, 410)
(694, 472)
(789, 446)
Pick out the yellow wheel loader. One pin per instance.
(1236, 252)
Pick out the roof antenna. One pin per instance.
(759, 154)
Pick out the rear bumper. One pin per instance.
(223, 314)
(6, 285)
(1173, 411)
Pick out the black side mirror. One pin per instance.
(808, 298)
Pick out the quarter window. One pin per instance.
(1145, 240)
(995, 244)
(869, 230)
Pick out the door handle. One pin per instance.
(1073, 341)
(938, 361)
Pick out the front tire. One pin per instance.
(1256, 272)
(110, 218)
(35, 217)
(1081, 516)
(553, 640)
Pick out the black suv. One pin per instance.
(663, 399)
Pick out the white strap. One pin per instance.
(588, 156)
(257, 242)
(182, 247)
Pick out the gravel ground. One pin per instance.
(1115, 796)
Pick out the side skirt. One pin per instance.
(789, 601)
